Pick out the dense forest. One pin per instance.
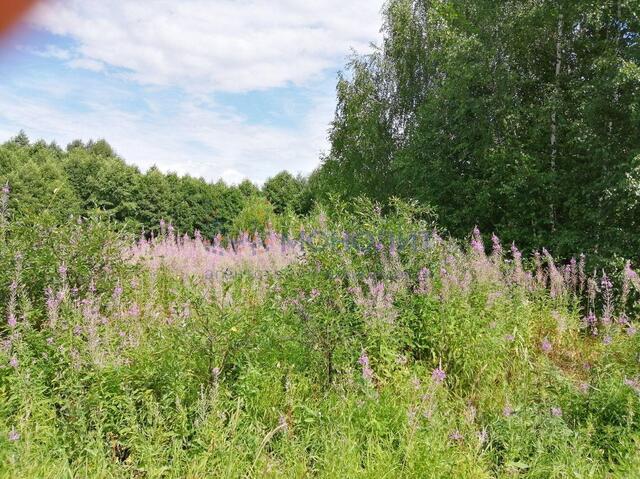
(520, 117)
(91, 179)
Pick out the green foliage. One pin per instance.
(40, 252)
(248, 189)
(284, 191)
(257, 216)
(90, 179)
(325, 369)
(371, 347)
(518, 117)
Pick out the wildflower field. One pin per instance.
(355, 345)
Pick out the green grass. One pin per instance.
(261, 375)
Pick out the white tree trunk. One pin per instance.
(554, 115)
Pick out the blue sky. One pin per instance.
(226, 89)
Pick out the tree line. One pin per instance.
(521, 117)
(91, 179)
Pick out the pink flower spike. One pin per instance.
(438, 375)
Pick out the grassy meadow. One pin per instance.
(356, 345)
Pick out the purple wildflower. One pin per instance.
(573, 277)
(507, 411)
(510, 338)
(556, 279)
(590, 322)
(367, 372)
(117, 292)
(519, 275)
(134, 310)
(14, 435)
(13, 362)
(393, 250)
(628, 278)
(497, 247)
(607, 340)
(556, 411)
(416, 383)
(438, 375)
(424, 286)
(477, 246)
(581, 273)
(633, 384)
(456, 436)
(631, 274)
(12, 321)
(546, 345)
(607, 293)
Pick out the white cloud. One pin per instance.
(52, 51)
(197, 48)
(87, 64)
(232, 177)
(222, 45)
(198, 139)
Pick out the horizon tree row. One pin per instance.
(90, 178)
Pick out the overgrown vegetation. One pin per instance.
(366, 347)
(163, 326)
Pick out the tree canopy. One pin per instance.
(90, 178)
(521, 117)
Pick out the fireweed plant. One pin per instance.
(172, 356)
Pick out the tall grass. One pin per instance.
(366, 347)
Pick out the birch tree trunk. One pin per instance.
(554, 113)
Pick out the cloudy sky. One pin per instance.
(226, 89)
